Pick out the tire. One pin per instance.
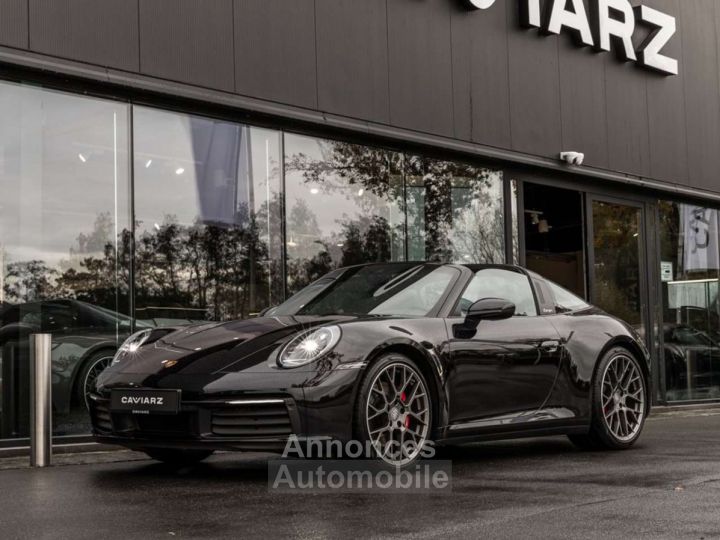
(92, 367)
(393, 412)
(173, 456)
(619, 403)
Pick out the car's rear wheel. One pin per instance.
(619, 404)
(174, 456)
(394, 410)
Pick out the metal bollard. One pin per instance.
(40, 401)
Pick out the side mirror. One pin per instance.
(489, 309)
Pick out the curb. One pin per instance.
(59, 449)
(696, 409)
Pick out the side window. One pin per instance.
(565, 300)
(499, 283)
(56, 317)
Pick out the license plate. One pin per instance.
(140, 401)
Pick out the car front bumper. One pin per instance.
(253, 416)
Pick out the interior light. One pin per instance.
(179, 171)
(82, 158)
(340, 244)
(148, 163)
(360, 192)
(157, 227)
(314, 191)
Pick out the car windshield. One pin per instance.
(402, 290)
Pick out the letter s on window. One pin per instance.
(664, 29)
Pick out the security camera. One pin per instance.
(572, 158)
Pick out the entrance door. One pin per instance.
(617, 260)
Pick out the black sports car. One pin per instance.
(394, 355)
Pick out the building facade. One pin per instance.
(171, 161)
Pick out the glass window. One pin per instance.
(392, 289)
(344, 207)
(64, 244)
(617, 262)
(564, 299)
(499, 283)
(208, 218)
(455, 212)
(689, 271)
(515, 224)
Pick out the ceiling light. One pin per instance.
(314, 191)
(292, 243)
(148, 163)
(360, 192)
(157, 227)
(340, 244)
(82, 158)
(179, 171)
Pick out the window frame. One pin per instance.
(474, 269)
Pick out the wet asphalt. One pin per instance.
(668, 486)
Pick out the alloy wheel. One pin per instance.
(91, 376)
(398, 413)
(623, 397)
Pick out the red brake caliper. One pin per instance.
(403, 397)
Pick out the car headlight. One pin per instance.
(131, 344)
(309, 346)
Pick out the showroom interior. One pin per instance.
(140, 198)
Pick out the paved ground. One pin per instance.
(667, 487)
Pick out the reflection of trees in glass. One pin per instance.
(224, 270)
(27, 281)
(617, 265)
(91, 273)
(477, 235)
(368, 177)
(343, 165)
(457, 209)
(427, 208)
(454, 210)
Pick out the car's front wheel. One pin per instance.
(394, 410)
(174, 456)
(619, 404)
(93, 367)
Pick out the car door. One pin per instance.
(504, 370)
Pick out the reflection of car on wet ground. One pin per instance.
(692, 360)
(84, 340)
(394, 355)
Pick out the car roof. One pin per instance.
(471, 266)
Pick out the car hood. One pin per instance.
(222, 347)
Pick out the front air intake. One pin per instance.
(252, 420)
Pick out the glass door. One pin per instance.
(617, 261)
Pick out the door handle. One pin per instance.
(551, 346)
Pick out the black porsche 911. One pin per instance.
(392, 355)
